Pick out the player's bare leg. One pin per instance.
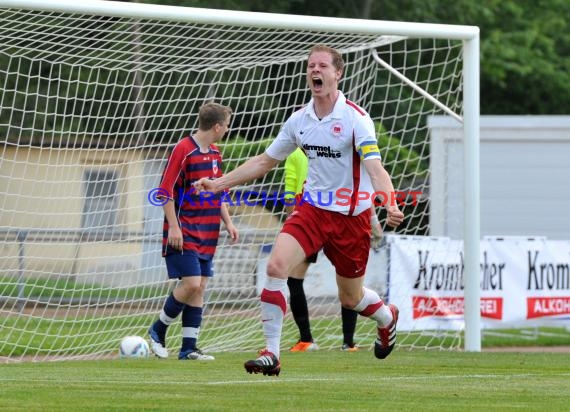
(286, 254)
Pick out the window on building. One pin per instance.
(101, 200)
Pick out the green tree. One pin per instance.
(525, 44)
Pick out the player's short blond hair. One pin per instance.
(337, 60)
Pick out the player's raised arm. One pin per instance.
(253, 168)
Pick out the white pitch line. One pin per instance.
(272, 380)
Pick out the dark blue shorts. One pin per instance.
(188, 263)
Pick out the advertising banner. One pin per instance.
(524, 282)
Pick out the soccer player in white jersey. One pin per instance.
(345, 168)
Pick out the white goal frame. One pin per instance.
(469, 35)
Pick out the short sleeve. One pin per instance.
(365, 142)
(284, 144)
(172, 170)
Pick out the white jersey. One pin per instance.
(336, 147)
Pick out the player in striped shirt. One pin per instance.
(191, 229)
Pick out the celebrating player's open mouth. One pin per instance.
(317, 84)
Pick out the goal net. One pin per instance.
(93, 97)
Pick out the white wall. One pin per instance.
(525, 176)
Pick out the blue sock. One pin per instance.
(191, 320)
(170, 311)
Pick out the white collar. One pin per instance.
(336, 112)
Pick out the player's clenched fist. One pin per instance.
(205, 185)
(395, 217)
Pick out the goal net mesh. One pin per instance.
(90, 107)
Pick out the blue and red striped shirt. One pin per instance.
(198, 215)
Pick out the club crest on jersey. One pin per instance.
(215, 166)
(336, 129)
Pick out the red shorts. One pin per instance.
(344, 239)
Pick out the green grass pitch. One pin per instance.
(318, 381)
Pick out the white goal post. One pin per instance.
(94, 93)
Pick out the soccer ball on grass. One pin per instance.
(133, 347)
